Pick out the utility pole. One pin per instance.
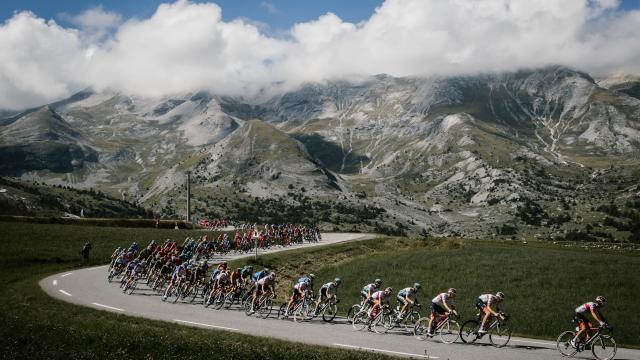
(189, 196)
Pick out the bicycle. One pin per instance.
(603, 347)
(499, 331)
(408, 321)
(355, 308)
(447, 327)
(301, 310)
(328, 310)
(263, 306)
(362, 320)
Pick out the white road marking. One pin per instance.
(385, 351)
(55, 282)
(534, 342)
(67, 274)
(207, 325)
(108, 307)
(64, 292)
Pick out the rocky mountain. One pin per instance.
(537, 151)
(42, 139)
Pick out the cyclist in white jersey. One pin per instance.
(442, 304)
(326, 292)
(592, 308)
(488, 304)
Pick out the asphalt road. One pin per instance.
(89, 287)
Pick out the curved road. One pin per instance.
(88, 287)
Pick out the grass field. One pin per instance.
(543, 282)
(35, 326)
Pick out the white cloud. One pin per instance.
(187, 47)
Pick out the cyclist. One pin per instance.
(369, 290)
(236, 279)
(299, 291)
(486, 303)
(378, 300)
(407, 297)
(176, 277)
(222, 280)
(592, 308)
(326, 292)
(265, 285)
(308, 279)
(260, 275)
(442, 304)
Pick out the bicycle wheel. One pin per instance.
(229, 300)
(176, 293)
(265, 308)
(329, 312)
(218, 301)
(469, 331)
(500, 335)
(381, 323)
(247, 308)
(421, 328)
(604, 348)
(282, 311)
(449, 332)
(132, 287)
(360, 320)
(194, 294)
(563, 343)
(352, 311)
(303, 312)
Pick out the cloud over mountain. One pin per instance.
(187, 46)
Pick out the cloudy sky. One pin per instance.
(48, 50)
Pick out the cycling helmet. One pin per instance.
(389, 289)
(500, 295)
(378, 282)
(267, 270)
(601, 300)
(417, 285)
(312, 276)
(337, 280)
(238, 269)
(452, 291)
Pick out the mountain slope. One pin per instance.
(447, 155)
(42, 140)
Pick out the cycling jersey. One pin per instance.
(245, 272)
(300, 287)
(307, 280)
(407, 292)
(370, 288)
(586, 308)
(488, 299)
(259, 275)
(215, 273)
(221, 279)
(176, 272)
(441, 299)
(330, 286)
(379, 295)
